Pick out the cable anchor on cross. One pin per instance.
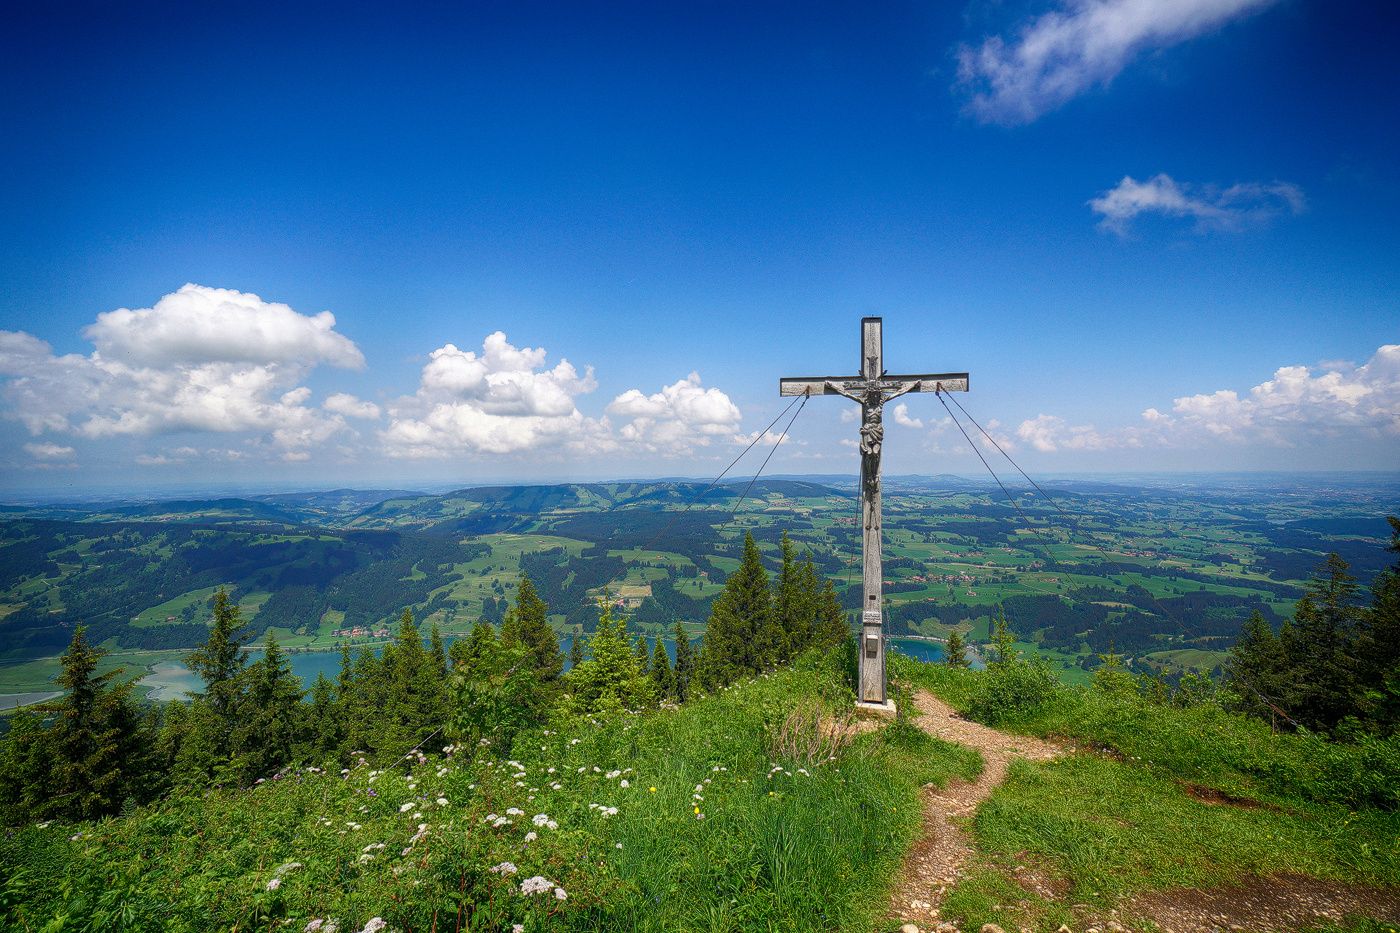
(872, 389)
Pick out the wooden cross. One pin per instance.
(872, 388)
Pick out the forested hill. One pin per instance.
(109, 576)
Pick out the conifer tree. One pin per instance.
(1257, 672)
(741, 623)
(828, 620)
(792, 605)
(685, 663)
(527, 624)
(437, 653)
(609, 681)
(220, 661)
(1380, 642)
(271, 724)
(576, 651)
(1002, 640)
(643, 656)
(661, 673)
(1321, 651)
(95, 739)
(955, 652)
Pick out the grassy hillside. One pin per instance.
(727, 814)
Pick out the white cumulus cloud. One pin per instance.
(166, 369)
(204, 325)
(676, 420)
(1077, 45)
(1209, 205)
(343, 403)
(901, 417)
(1297, 408)
(499, 402)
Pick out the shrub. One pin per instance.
(1012, 690)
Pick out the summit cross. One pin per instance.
(872, 388)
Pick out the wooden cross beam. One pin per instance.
(872, 388)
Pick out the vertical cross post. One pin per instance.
(872, 388)
(871, 666)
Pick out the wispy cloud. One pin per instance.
(1062, 53)
(1211, 206)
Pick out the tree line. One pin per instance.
(1335, 666)
(97, 750)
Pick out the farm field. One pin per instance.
(1161, 572)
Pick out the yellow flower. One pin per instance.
(653, 790)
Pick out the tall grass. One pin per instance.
(720, 823)
(1149, 798)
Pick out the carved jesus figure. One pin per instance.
(872, 398)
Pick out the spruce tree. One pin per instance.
(609, 681)
(576, 651)
(1257, 672)
(1002, 640)
(643, 656)
(661, 673)
(1379, 647)
(220, 661)
(527, 624)
(685, 663)
(741, 624)
(94, 739)
(1326, 688)
(271, 724)
(955, 652)
(792, 606)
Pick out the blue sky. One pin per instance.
(1160, 234)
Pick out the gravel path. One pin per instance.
(935, 862)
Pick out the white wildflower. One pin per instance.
(274, 884)
(375, 925)
(539, 819)
(515, 811)
(536, 885)
(552, 825)
(505, 868)
(531, 836)
(624, 783)
(404, 808)
(559, 895)
(442, 801)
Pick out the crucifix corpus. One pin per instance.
(872, 388)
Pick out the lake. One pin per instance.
(172, 681)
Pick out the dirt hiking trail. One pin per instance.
(936, 861)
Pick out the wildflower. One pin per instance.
(536, 885)
(531, 836)
(404, 808)
(611, 774)
(539, 819)
(653, 790)
(699, 788)
(559, 895)
(515, 811)
(283, 869)
(365, 858)
(618, 846)
(375, 925)
(624, 783)
(501, 821)
(517, 928)
(274, 884)
(442, 801)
